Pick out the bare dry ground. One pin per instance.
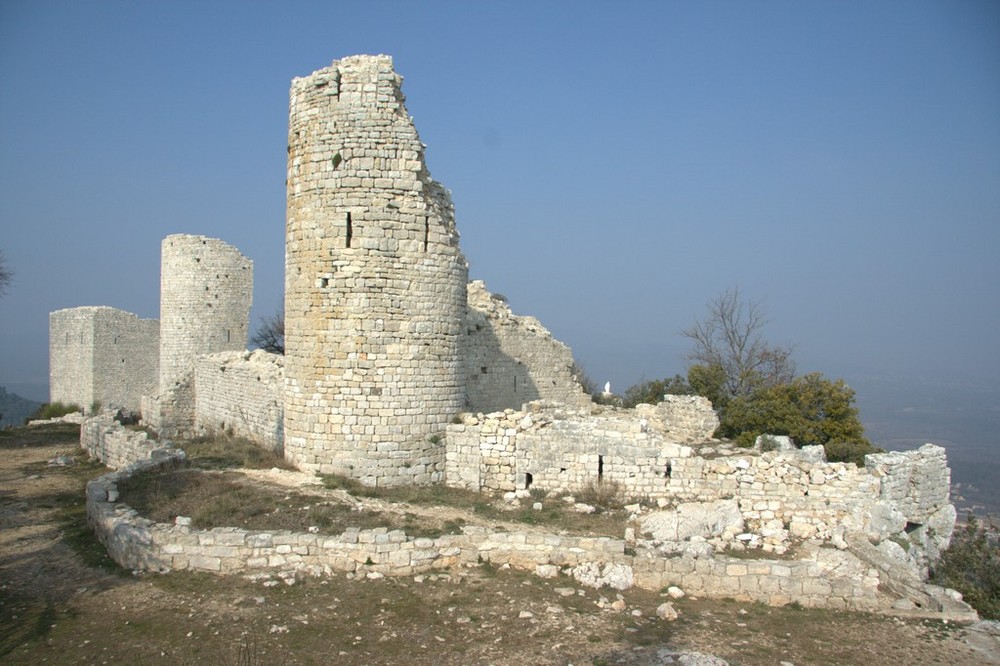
(63, 601)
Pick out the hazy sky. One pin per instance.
(614, 165)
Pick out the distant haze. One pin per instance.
(614, 166)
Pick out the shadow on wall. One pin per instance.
(495, 380)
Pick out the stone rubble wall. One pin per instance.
(830, 578)
(509, 450)
(511, 360)
(375, 283)
(781, 496)
(241, 393)
(102, 355)
(115, 446)
(206, 288)
(917, 482)
(681, 418)
(171, 413)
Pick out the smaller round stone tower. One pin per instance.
(206, 288)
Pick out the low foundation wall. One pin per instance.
(830, 578)
(108, 441)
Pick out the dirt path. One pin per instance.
(61, 602)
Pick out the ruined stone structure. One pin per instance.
(397, 371)
(374, 284)
(240, 393)
(206, 288)
(511, 360)
(102, 355)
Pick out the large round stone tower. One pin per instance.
(375, 290)
(206, 288)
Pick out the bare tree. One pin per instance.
(730, 338)
(6, 274)
(270, 336)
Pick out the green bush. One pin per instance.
(810, 409)
(53, 410)
(971, 565)
(652, 392)
(855, 452)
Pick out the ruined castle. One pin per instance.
(399, 371)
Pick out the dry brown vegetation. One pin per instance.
(63, 601)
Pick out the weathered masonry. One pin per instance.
(206, 288)
(102, 355)
(374, 283)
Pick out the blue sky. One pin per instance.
(614, 166)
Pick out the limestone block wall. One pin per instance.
(171, 413)
(917, 482)
(375, 283)
(555, 450)
(830, 578)
(511, 360)
(826, 578)
(206, 289)
(780, 495)
(102, 354)
(116, 446)
(241, 392)
(682, 418)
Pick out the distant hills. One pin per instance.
(14, 409)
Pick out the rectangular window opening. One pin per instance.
(600, 468)
(350, 229)
(427, 232)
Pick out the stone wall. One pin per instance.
(102, 354)
(375, 284)
(781, 496)
(681, 418)
(117, 447)
(240, 393)
(206, 288)
(916, 482)
(824, 578)
(511, 360)
(554, 449)
(171, 413)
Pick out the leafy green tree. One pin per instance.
(971, 565)
(810, 409)
(709, 381)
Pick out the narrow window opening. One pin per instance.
(527, 480)
(427, 232)
(668, 471)
(515, 383)
(483, 369)
(350, 229)
(600, 468)
(229, 335)
(323, 282)
(562, 470)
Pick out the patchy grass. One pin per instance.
(228, 499)
(555, 514)
(225, 452)
(41, 435)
